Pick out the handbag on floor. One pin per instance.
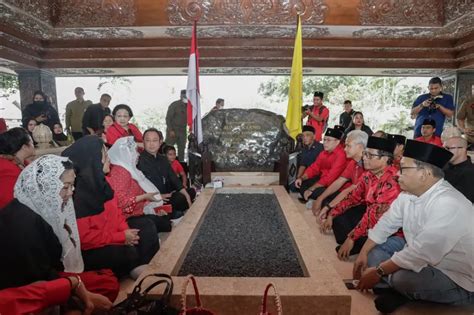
(138, 303)
(198, 309)
(263, 308)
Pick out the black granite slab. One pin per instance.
(243, 235)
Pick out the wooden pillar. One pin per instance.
(34, 80)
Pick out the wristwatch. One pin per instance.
(380, 271)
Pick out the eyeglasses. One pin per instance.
(370, 156)
(452, 148)
(406, 168)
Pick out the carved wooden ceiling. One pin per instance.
(91, 37)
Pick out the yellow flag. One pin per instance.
(295, 93)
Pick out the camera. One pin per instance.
(307, 107)
(433, 104)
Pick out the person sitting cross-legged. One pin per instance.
(355, 145)
(309, 153)
(436, 264)
(362, 208)
(326, 169)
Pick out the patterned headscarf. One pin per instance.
(38, 187)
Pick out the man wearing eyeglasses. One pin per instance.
(436, 264)
(460, 171)
(326, 169)
(377, 188)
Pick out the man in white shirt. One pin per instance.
(437, 262)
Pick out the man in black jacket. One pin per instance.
(158, 170)
(460, 171)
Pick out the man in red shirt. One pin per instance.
(318, 116)
(356, 142)
(428, 129)
(326, 169)
(351, 218)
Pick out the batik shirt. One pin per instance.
(376, 193)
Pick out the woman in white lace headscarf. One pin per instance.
(41, 189)
(135, 193)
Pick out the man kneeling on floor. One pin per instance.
(436, 264)
(376, 189)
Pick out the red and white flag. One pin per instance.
(192, 90)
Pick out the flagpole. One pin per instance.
(195, 131)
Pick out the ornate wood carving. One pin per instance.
(96, 13)
(401, 12)
(211, 12)
(39, 9)
(251, 31)
(454, 9)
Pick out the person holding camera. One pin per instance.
(318, 115)
(433, 105)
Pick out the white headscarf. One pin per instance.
(124, 153)
(38, 187)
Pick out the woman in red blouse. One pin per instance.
(136, 195)
(122, 127)
(107, 240)
(15, 147)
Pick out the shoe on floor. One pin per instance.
(389, 302)
(309, 204)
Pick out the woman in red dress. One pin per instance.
(122, 127)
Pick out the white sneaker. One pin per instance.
(309, 204)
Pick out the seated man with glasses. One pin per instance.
(326, 169)
(436, 264)
(376, 190)
(460, 171)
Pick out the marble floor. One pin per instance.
(362, 303)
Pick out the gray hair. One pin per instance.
(460, 140)
(436, 171)
(358, 137)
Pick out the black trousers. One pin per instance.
(308, 183)
(179, 203)
(121, 259)
(345, 223)
(149, 243)
(77, 135)
(162, 223)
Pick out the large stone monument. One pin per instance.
(248, 140)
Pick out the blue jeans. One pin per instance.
(385, 251)
(429, 284)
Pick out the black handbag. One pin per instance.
(139, 303)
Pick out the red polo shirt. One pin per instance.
(323, 112)
(433, 140)
(328, 165)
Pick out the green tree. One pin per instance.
(385, 101)
(8, 85)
